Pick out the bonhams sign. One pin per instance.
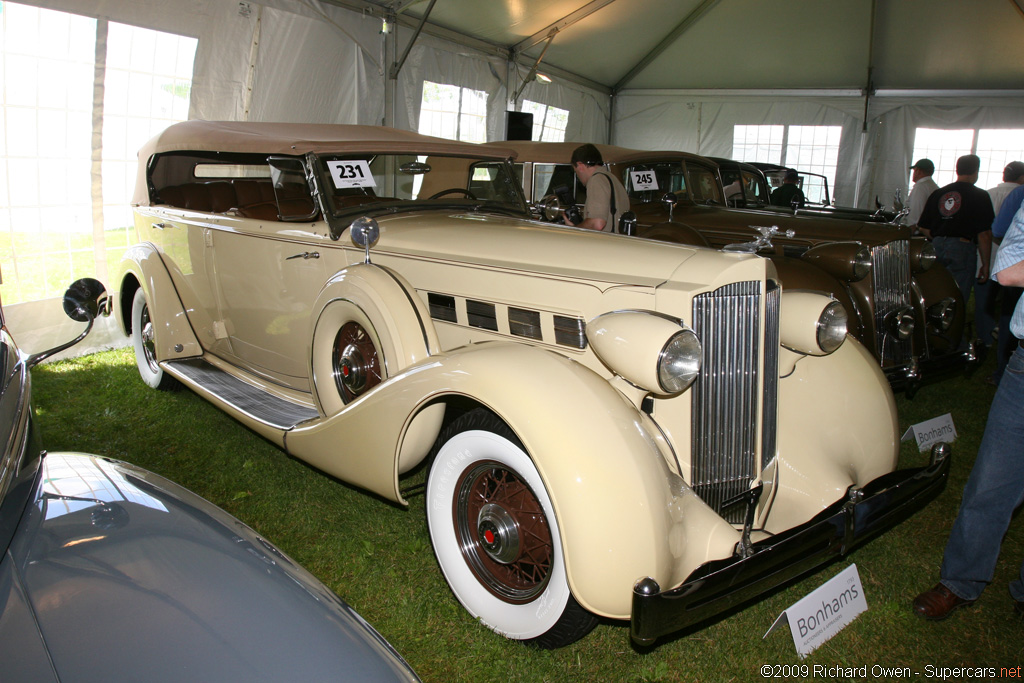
(824, 612)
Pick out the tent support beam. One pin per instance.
(397, 66)
(533, 69)
(561, 24)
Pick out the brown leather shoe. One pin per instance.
(937, 603)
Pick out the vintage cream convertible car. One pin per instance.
(614, 426)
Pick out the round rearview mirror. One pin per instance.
(86, 299)
(365, 232)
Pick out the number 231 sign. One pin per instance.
(644, 180)
(351, 173)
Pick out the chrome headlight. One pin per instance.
(900, 323)
(832, 327)
(654, 352)
(861, 263)
(942, 314)
(847, 261)
(679, 362)
(922, 255)
(812, 323)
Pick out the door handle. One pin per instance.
(162, 226)
(305, 255)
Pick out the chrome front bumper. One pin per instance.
(717, 586)
(910, 376)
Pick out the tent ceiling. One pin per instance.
(742, 44)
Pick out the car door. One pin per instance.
(268, 274)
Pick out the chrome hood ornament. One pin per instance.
(759, 243)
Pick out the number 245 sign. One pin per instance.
(644, 180)
(351, 173)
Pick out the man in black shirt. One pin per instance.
(958, 219)
(789, 192)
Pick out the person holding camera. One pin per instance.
(606, 197)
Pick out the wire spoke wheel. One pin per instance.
(356, 361)
(502, 531)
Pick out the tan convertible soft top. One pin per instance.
(297, 139)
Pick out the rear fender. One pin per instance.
(142, 267)
(603, 462)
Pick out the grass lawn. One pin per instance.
(377, 556)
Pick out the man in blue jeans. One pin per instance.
(996, 485)
(958, 220)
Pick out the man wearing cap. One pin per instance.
(958, 218)
(924, 185)
(788, 192)
(606, 197)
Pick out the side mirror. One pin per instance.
(669, 201)
(365, 232)
(84, 301)
(627, 223)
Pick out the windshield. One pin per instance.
(364, 182)
(649, 182)
(744, 188)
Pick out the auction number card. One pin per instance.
(644, 180)
(351, 173)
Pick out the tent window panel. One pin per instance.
(148, 86)
(814, 149)
(48, 65)
(943, 147)
(758, 143)
(549, 123)
(997, 147)
(448, 111)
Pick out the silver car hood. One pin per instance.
(128, 576)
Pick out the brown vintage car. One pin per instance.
(902, 304)
(749, 186)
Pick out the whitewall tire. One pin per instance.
(144, 343)
(496, 537)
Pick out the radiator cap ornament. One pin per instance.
(759, 243)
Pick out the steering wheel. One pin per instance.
(452, 190)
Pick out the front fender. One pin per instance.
(603, 462)
(830, 436)
(142, 267)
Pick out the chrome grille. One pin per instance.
(890, 279)
(734, 423)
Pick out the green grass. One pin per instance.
(377, 556)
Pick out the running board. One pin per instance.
(260, 405)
